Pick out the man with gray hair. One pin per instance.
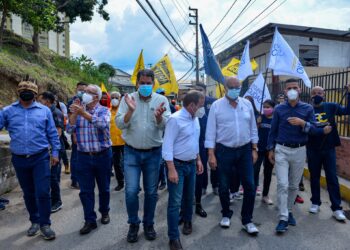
(91, 122)
(231, 139)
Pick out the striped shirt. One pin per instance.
(93, 136)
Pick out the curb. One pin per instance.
(344, 190)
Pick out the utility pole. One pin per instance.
(194, 14)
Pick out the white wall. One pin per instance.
(53, 41)
(16, 24)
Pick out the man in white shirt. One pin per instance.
(181, 153)
(231, 139)
(142, 116)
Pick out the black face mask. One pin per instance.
(317, 99)
(26, 95)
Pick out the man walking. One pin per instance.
(321, 151)
(181, 153)
(231, 139)
(288, 136)
(32, 131)
(91, 125)
(142, 116)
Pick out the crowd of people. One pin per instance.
(142, 134)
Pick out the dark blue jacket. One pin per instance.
(203, 121)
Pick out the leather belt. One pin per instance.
(293, 145)
(143, 150)
(184, 162)
(94, 153)
(29, 156)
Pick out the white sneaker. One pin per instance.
(258, 191)
(237, 196)
(339, 215)
(314, 209)
(225, 222)
(251, 228)
(267, 200)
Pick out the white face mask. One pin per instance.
(115, 102)
(200, 112)
(87, 98)
(292, 95)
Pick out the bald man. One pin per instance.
(321, 151)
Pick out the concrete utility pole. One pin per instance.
(195, 16)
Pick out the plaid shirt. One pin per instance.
(93, 136)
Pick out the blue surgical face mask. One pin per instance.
(145, 90)
(233, 93)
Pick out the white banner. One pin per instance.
(283, 60)
(245, 67)
(256, 91)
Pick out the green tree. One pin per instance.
(107, 69)
(7, 6)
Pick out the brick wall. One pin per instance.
(343, 158)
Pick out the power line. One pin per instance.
(223, 17)
(181, 14)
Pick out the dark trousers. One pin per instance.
(327, 159)
(65, 158)
(93, 168)
(235, 182)
(73, 164)
(239, 160)
(263, 158)
(202, 179)
(118, 152)
(55, 184)
(162, 168)
(33, 174)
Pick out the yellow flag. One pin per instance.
(138, 66)
(165, 76)
(231, 69)
(103, 87)
(219, 90)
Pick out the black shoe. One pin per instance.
(88, 227)
(175, 244)
(74, 185)
(57, 206)
(4, 201)
(33, 230)
(150, 233)
(105, 219)
(119, 187)
(132, 234)
(301, 187)
(47, 233)
(162, 186)
(187, 228)
(200, 211)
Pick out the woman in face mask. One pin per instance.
(264, 127)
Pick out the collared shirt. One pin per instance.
(181, 138)
(58, 117)
(283, 132)
(142, 131)
(31, 129)
(232, 127)
(93, 136)
(116, 133)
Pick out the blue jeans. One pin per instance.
(181, 196)
(135, 162)
(236, 160)
(73, 164)
(327, 159)
(90, 169)
(33, 174)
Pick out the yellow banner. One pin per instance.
(165, 76)
(219, 90)
(231, 69)
(138, 66)
(103, 87)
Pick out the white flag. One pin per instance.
(256, 91)
(283, 60)
(245, 67)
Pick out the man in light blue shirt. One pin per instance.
(181, 153)
(32, 131)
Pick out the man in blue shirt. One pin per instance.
(321, 152)
(291, 123)
(32, 131)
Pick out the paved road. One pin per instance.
(312, 232)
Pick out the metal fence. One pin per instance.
(333, 83)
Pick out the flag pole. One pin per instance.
(263, 92)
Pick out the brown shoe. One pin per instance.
(66, 169)
(187, 228)
(175, 244)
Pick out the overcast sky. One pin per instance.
(120, 40)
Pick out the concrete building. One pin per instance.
(57, 42)
(121, 80)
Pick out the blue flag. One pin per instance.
(211, 66)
